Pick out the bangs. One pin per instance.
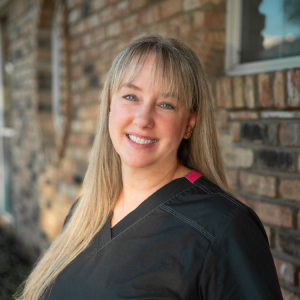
(169, 72)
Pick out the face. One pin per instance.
(147, 125)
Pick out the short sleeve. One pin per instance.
(239, 264)
(70, 212)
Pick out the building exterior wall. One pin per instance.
(257, 115)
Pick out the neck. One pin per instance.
(140, 183)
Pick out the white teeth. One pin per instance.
(141, 141)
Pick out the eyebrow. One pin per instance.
(132, 86)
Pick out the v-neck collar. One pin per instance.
(166, 192)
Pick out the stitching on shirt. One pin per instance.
(188, 221)
(231, 215)
(145, 216)
(204, 188)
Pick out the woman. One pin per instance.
(156, 220)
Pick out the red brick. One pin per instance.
(293, 87)
(65, 176)
(222, 120)
(258, 184)
(232, 179)
(278, 89)
(290, 189)
(238, 92)
(98, 35)
(91, 111)
(198, 19)
(78, 153)
(136, 4)
(227, 88)
(131, 22)
(97, 4)
(106, 15)
(269, 232)
(183, 24)
(84, 126)
(220, 94)
(78, 139)
(74, 15)
(170, 8)
(91, 22)
(236, 131)
(150, 15)
(68, 165)
(237, 157)
(122, 8)
(215, 2)
(224, 92)
(274, 214)
(90, 96)
(289, 134)
(264, 90)
(113, 29)
(286, 271)
(243, 115)
(207, 19)
(191, 4)
(287, 295)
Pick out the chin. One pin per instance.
(137, 163)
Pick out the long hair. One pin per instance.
(178, 68)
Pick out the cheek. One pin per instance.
(119, 119)
(174, 127)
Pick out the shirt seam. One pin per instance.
(98, 250)
(188, 221)
(231, 215)
(205, 189)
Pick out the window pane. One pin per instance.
(270, 29)
(6, 196)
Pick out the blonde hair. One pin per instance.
(179, 69)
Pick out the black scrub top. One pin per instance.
(189, 240)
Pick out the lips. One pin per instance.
(140, 140)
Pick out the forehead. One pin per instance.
(147, 74)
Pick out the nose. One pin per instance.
(144, 116)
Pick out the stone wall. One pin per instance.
(257, 115)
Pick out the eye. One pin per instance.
(167, 106)
(130, 97)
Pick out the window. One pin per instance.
(6, 130)
(262, 35)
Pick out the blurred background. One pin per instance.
(54, 57)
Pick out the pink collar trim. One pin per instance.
(193, 175)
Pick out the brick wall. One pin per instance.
(259, 135)
(257, 115)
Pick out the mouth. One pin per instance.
(140, 141)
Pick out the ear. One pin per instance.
(191, 123)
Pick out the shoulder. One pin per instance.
(211, 208)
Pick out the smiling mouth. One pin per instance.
(140, 141)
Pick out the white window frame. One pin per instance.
(56, 61)
(4, 132)
(233, 67)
